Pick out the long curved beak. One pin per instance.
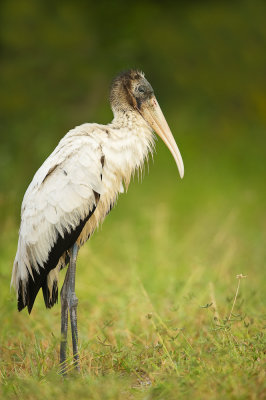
(153, 115)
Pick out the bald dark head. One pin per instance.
(129, 91)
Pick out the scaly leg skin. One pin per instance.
(64, 326)
(73, 304)
(69, 301)
(74, 328)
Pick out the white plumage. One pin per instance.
(90, 159)
(75, 189)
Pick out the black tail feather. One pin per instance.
(50, 299)
(27, 296)
(38, 280)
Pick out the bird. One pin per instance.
(75, 189)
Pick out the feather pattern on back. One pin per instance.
(82, 177)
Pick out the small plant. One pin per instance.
(239, 277)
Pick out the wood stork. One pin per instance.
(74, 190)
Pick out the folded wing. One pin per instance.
(59, 201)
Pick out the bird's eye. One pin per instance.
(141, 89)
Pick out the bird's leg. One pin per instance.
(73, 303)
(64, 324)
(69, 301)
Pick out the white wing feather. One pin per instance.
(60, 195)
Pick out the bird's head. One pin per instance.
(130, 91)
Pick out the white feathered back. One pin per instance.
(92, 161)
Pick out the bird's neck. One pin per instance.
(131, 132)
(129, 144)
(128, 119)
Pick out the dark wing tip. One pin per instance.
(27, 295)
(50, 299)
(32, 289)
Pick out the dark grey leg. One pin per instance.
(64, 325)
(69, 302)
(73, 304)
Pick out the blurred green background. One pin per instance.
(207, 64)
(205, 60)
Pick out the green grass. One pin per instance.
(156, 286)
(157, 282)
